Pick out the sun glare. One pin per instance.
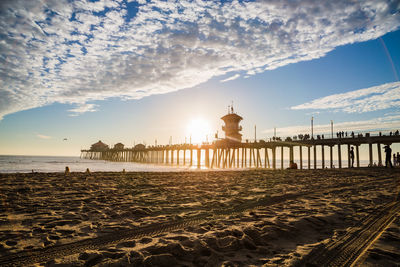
(199, 130)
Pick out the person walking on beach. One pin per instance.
(388, 153)
(352, 156)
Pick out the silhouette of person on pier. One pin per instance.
(352, 156)
(388, 153)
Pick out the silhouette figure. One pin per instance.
(388, 153)
(352, 156)
(292, 165)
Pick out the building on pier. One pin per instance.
(99, 146)
(119, 146)
(231, 127)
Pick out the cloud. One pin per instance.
(79, 51)
(231, 78)
(82, 108)
(375, 125)
(41, 136)
(364, 100)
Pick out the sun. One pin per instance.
(199, 130)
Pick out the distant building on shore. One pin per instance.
(99, 146)
(231, 127)
(119, 146)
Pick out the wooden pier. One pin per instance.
(263, 154)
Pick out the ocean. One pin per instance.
(10, 164)
(24, 164)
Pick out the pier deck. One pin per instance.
(261, 154)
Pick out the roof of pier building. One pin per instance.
(119, 146)
(99, 146)
(140, 147)
(232, 117)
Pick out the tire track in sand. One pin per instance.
(346, 251)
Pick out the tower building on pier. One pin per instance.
(231, 127)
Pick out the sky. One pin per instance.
(75, 72)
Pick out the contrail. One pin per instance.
(390, 59)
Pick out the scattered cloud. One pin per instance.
(82, 108)
(234, 77)
(79, 51)
(375, 125)
(41, 136)
(364, 100)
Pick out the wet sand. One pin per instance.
(49, 209)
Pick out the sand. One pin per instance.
(244, 218)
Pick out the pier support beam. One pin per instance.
(323, 156)
(207, 159)
(198, 158)
(291, 154)
(172, 157)
(237, 157)
(339, 156)
(282, 157)
(191, 157)
(358, 156)
(331, 156)
(301, 157)
(371, 159)
(266, 158)
(245, 157)
(274, 158)
(242, 157)
(251, 157)
(379, 154)
(348, 156)
(315, 156)
(309, 157)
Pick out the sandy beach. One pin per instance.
(223, 218)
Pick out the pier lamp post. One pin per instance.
(312, 127)
(332, 129)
